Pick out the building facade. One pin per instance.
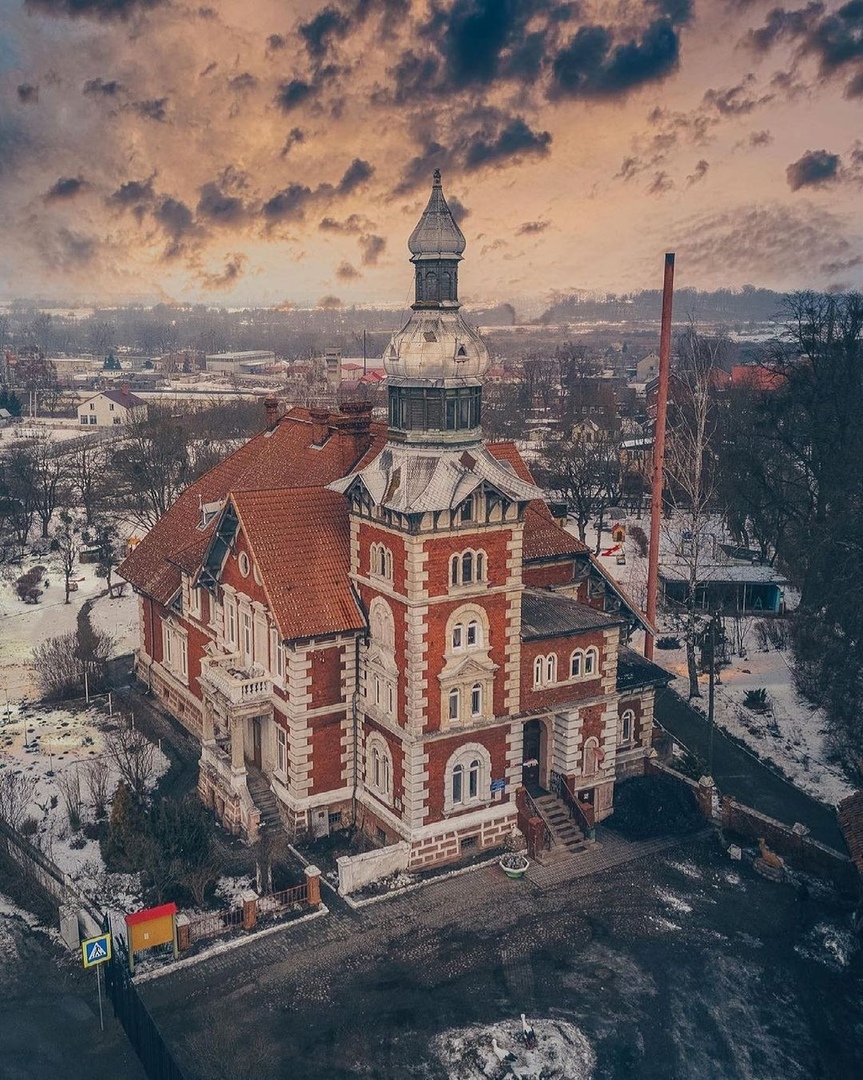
(111, 408)
(384, 625)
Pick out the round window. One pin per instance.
(243, 563)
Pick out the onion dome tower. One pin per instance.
(436, 361)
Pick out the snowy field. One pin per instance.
(789, 733)
(23, 626)
(50, 746)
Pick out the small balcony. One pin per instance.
(238, 683)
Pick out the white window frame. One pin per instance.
(175, 651)
(379, 767)
(467, 778)
(627, 717)
(477, 562)
(281, 751)
(231, 622)
(591, 662)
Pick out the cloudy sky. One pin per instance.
(280, 151)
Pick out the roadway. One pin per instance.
(743, 776)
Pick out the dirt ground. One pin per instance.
(684, 965)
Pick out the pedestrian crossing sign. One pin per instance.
(96, 950)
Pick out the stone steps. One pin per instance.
(567, 838)
(264, 798)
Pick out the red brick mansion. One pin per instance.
(383, 626)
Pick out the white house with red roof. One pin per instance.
(111, 408)
(383, 626)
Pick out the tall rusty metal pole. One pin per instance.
(659, 451)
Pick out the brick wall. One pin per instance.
(548, 696)
(441, 750)
(326, 744)
(494, 542)
(326, 673)
(540, 575)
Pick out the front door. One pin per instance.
(256, 742)
(530, 755)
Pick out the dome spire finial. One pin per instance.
(436, 178)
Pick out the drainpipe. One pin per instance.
(355, 716)
(152, 648)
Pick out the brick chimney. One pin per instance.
(353, 424)
(320, 425)
(271, 410)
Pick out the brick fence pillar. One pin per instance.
(708, 798)
(535, 834)
(183, 933)
(250, 909)
(313, 881)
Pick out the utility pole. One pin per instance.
(710, 691)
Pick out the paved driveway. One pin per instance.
(677, 965)
(742, 776)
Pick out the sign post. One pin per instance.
(96, 951)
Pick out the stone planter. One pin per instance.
(514, 866)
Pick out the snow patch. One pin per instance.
(561, 1051)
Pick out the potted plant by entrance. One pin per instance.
(514, 864)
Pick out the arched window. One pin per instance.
(458, 784)
(473, 775)
(457, 636)
(591, 748)
(627, 726)
(551, 668)
(591, 661)
(474, 633)
(538, 671)
(575, 664)
(476, 699)
(382, 625)
(381, 561)
(467, 568)
(467, 780)
(454, 703)
(379, 767)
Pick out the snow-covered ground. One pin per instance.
(23, 626)
(789, 734)
(48, 745)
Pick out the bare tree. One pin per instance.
(67, 550)
(153, 465)
(86, 468)
(69, 783)
(585, 471)
(98, 780)
(691, 483)
(16, 793)
(37, 474)
(134, 756)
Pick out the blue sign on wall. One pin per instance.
(498, 785)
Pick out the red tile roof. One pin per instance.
(309, 590)
(543, 537)
(283, 457)
(310, 594)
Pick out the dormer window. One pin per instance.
(461, 354)
(208, 511)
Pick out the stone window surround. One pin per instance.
(376, 744)
(465, 755)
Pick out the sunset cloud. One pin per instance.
(155, 150)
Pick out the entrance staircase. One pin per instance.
(567, 839)
(264, 799)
